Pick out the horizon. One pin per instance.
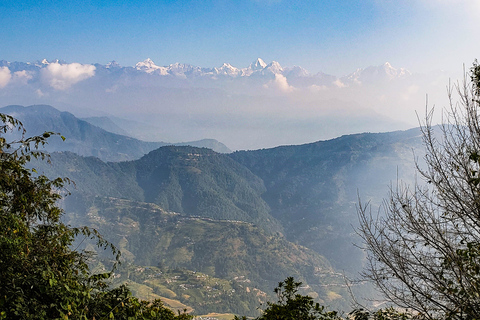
(426, 43)
(333, 38)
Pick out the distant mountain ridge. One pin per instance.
(87, 139)
(183, 102)
(257, 68)
(313, 189)
(308, 192)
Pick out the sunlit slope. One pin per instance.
(242, 253)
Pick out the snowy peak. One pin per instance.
(296, 71)
(274, 67)
(149, 66)
(181, 69)
(258, 70)
(258, 64)
(227, 69)
(113, 64)
(146, 64)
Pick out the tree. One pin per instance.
(41, 276)
(424, 245)
(293, 306)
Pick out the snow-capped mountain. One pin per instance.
(273, 68)
(372, 74)
(227, 69)
(184, 69)
(206, 102)
(296, 71)
(113, 65)
(258, 64)
(259, 70)
(149, 66)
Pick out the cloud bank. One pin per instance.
(63, 76)
(280, 83)
(5, 76)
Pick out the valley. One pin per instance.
(215, 232)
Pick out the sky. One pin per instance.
(432, 39)
(334, 37)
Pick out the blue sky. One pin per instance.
(335, 37)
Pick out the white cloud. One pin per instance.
(22, 76)
(62, 76)
(280, 82)
(5, 76)
(339, 83)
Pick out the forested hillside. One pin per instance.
(263, 215)
(313, 189)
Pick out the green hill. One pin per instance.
(313, 189)
(285, 199)
(201, 182)
(188, 180)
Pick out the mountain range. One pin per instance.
(257, 68)
(288, 210)
(237, 105)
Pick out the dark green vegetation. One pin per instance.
(41, 276)
(86, 139)
(291, 305)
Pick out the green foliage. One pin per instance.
(293, 306)
(382, 314)
(120, 304)
(41, 276)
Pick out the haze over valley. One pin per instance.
(224, 146)
(232, 216)
(261, 105)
